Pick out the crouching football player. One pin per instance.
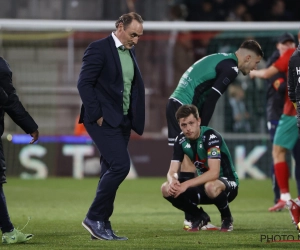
(215, 182)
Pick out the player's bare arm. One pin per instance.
(264, 73)
(173, 182)
(211, 175)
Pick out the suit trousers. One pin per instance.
(115, 164)
(2, 164)
(5, 223)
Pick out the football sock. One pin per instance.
(282, 176)
(184, 176)
(221, 203)
(5, 223)
(275, 186)
(285, 196)
(184, 204)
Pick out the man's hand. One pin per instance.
(181, 189)
(173, 187)
(100, 121)
(252, 74)
(35, 136)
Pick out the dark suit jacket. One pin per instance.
(10, 103)
(101, 87)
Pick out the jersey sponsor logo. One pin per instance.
(235, 69)
(187, 145)
(185, 79)
(200, 166)
(181, 140)
(298, 70)
(299, 79)
(226, 81)
(212, 142)
(184, 82)
(212, 136)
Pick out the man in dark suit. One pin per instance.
(113, 95)
(10, 104)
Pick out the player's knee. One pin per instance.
(278, 153)
(209, 188)
(164, 189)
(212, 190)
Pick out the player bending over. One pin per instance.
(216, 181)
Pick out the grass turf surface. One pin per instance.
(57, 207)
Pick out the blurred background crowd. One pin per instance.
(154, 10)
(236, 10)
(46, 64)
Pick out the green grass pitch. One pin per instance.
(57, 207)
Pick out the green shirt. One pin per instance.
(213, 71)
(128, 74)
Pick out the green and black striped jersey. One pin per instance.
(209, 145)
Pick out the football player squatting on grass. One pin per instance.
(216, 181)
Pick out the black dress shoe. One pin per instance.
(115, 237)
(111, 232)
(97, 229)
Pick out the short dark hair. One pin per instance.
(126, 19)
(186, 110)
(253, 46)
